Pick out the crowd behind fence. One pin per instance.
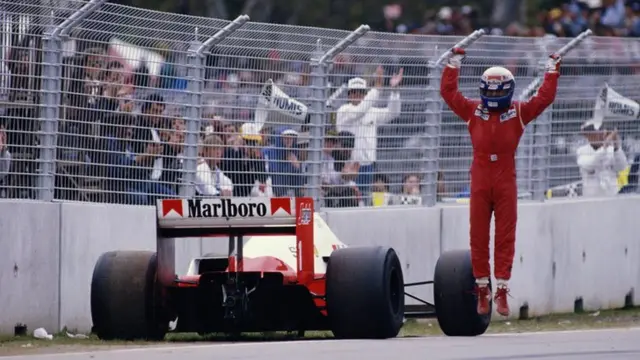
(108, 103)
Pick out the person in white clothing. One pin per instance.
(362, 119)
(600, 161)
(210, 180)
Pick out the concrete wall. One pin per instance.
(29, 264)
(566, 249)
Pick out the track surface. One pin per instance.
(615, 344)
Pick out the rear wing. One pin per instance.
(235, 218)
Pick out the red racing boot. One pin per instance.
(502, 304)
(484, 296)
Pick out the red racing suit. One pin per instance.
(494, 137)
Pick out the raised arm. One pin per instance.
(386, 114)
(546, 95)
(619, 160)
(591, 161)
(392, 111)
(609, 154)
(449, 91)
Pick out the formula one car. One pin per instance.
(284, 271)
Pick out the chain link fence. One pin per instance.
(108, 103)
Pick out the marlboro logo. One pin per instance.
(226, 208)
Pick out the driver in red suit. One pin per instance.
(496, 124)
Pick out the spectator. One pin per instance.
(283, 160)
(600, 161)
(362, 119)
(381, 195)
(573, 20)
(342, 153)
(168, 77)
(411, 194)
(345, 192)
(113, 86)
(213, 124)
(119, 161)
(141, 76)
(5, 82)
(173, 153)
(150, 148)
(391, 22)
(328, 173)
(444, 25)
(633, 20)
(554, 23)
(126, 103)
(233, 138)
(85, 92)
(244, 165)
(613, 13)
(20, 122)
(210, 180)
(5, 158)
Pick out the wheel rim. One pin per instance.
(396, 291)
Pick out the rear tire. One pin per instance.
(365, 293)
(125, 297)
(454, 298)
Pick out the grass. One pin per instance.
(619, 318)
(12, 345)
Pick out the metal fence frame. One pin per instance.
(537, 139)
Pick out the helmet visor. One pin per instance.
(494, 89)
(494, 93)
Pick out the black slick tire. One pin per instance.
(365, 293)
(454, 298)
(125, 298)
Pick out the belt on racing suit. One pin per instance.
(482, 157)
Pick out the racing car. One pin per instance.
(285, 270)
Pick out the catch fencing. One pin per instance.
(84, 83)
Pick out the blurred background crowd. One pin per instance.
(559, 18)
(452, 17)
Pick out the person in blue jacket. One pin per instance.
(283, 162)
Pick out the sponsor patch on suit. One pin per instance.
(482, 113)
(511, 114)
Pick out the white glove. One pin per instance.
(553, 64)
(457, 55)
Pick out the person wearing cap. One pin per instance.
(361, 118)
(284, 165)
(244, 164)
(600, 161)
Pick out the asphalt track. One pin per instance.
(614, 344)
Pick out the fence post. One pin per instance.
(433, 119)
(319, 66)
(193, 120)
(50, 99)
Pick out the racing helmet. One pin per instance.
(497, 86)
